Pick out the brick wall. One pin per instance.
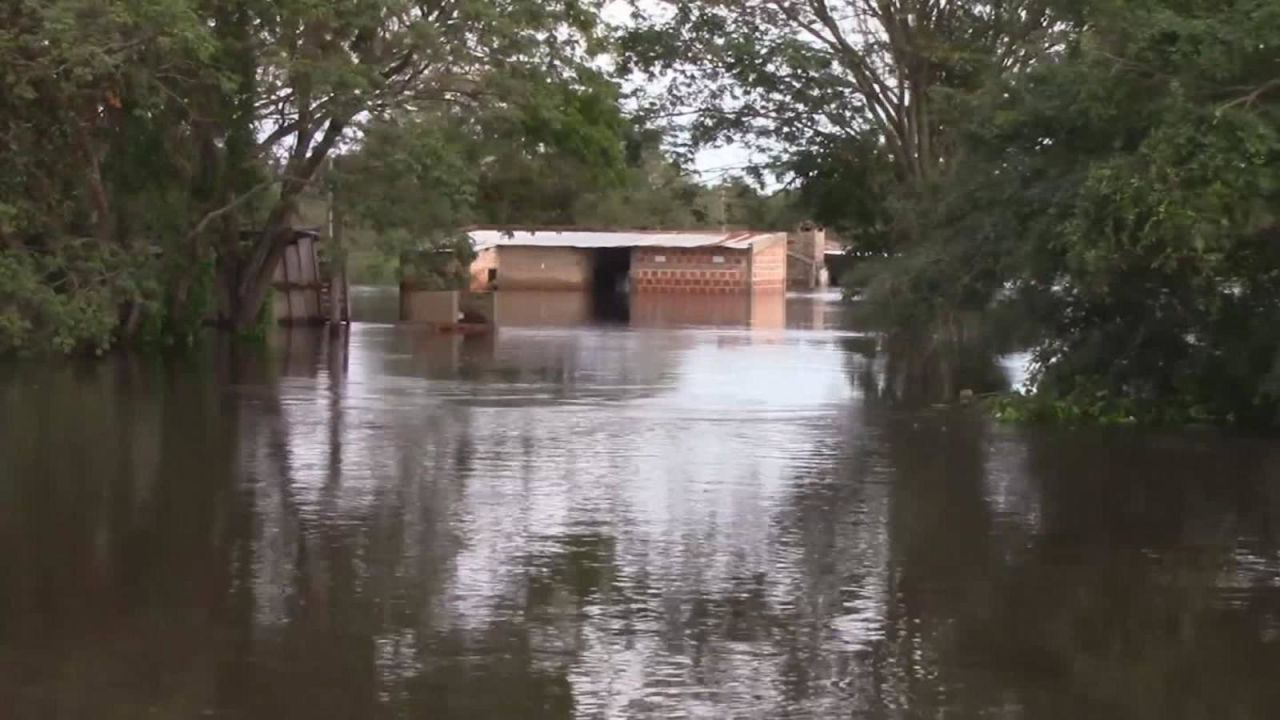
(769, 265)
(696, 270)
(544, 268)
(525, 309)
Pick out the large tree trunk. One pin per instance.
(255, 272)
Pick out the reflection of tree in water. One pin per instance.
(1130, 592)
(114, 539)
(919, 366)
(1131, 597)
(939, 530)
(343, 573)
(1117, 608)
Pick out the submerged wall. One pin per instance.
(527, 309)
(438, 307)
(769, 265)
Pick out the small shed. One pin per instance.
(303, 286)
(699, 261)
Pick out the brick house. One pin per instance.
(698, 262)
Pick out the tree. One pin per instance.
(321, 68)
(1132, 186)
(419, 176)
(838, 88)
(180, 135)
(85, 139)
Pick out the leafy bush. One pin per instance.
(64, 301)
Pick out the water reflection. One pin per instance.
(765, 310)
(936, 363)
(569, 521)
(642, 310)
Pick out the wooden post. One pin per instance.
(288, 279)
(346, 294)
(337, 284)
(337, 262)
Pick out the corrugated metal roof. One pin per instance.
(482, 239)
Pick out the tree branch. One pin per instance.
(212, 215)
(1251, 98)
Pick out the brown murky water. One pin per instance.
(713, 511)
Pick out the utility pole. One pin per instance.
(724, 211)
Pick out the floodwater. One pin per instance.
(709, 510)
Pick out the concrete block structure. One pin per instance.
(698, 262)
(806, 261)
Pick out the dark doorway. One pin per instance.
(610, 283)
